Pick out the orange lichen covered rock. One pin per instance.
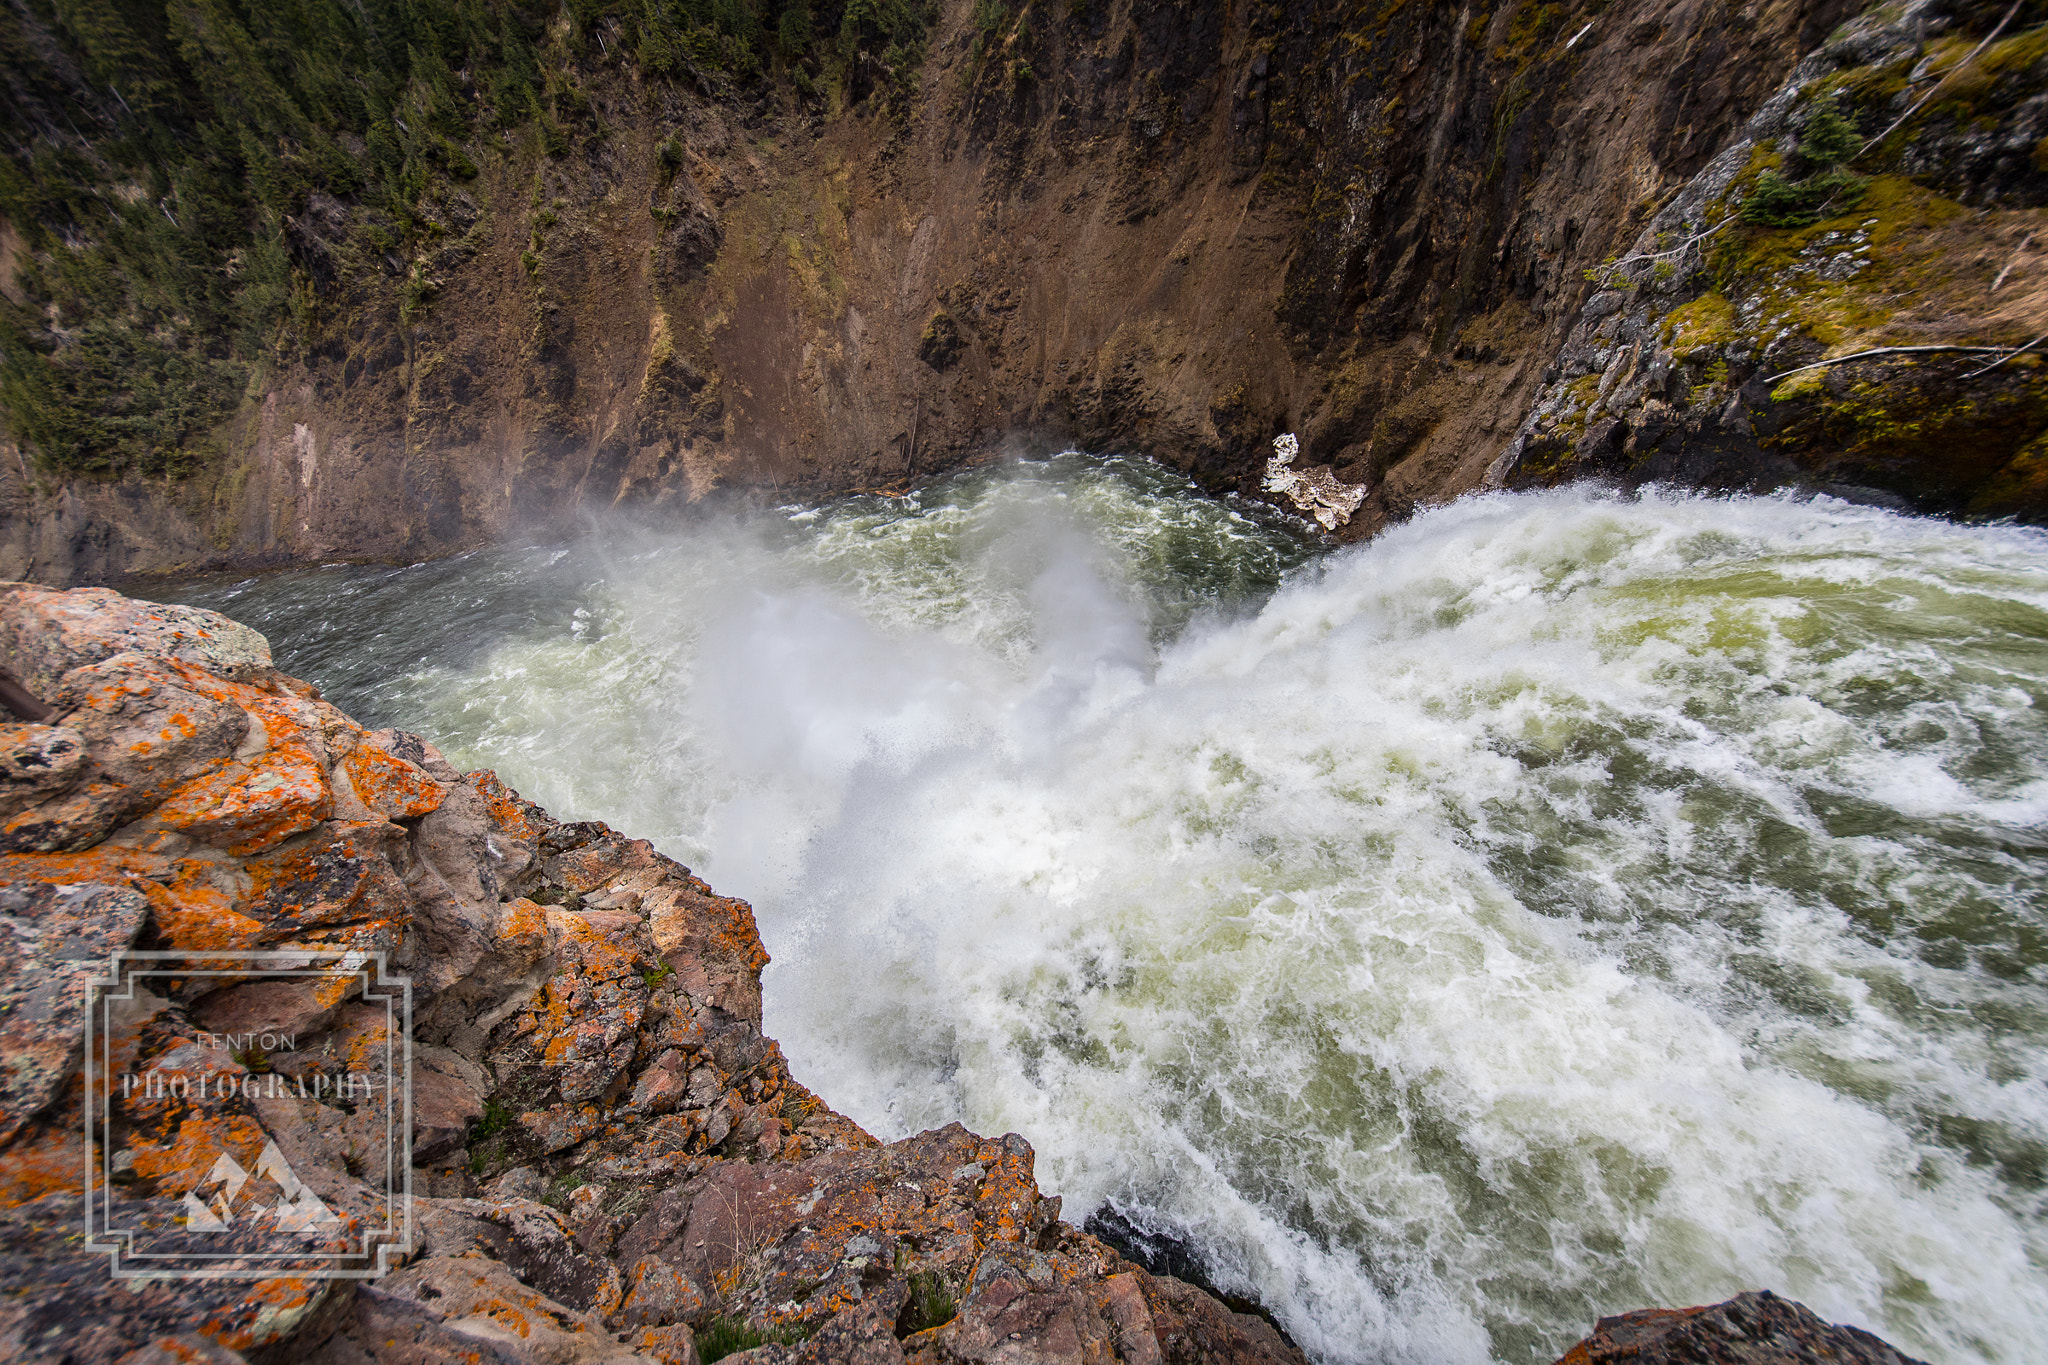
(340, 884)
(246, 810)
(389, 785)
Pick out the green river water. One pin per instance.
(1561, 905)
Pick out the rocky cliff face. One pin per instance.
(1137, 224)
(1874, 338)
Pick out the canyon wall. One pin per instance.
(1133, 224)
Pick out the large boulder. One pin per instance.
(1750, 1329)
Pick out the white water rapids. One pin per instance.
(1561, 905)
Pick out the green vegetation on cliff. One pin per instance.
(159, 154)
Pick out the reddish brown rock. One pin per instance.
(447, 1309)
(188, 1348)
(659, 1295)
(444, 1106)
(665, 1345)
(1750, 1329)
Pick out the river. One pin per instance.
(1565, 903)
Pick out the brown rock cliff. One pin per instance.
(1147, 225)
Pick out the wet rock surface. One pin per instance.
(1750, 1329)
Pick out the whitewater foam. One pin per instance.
(1561, 905)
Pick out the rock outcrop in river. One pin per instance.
(611, 1160)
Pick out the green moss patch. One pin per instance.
(1970, 89)
(1707, 321)
(1926, 429)
(1899, 257)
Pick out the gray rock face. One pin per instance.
(1709, 354)
(53, 939)
(46, 635)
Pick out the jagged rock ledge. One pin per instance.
(612, 1161)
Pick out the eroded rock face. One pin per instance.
(1877, 344)
(611, 1157)
(1750, 1329)
(1187, 228)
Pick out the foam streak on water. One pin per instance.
(1559, 906)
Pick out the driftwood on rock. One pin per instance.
(1895, 350)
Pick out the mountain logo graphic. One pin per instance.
(297, 1209)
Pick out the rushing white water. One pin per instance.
(1562, 905)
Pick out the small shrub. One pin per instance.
(496, 1119)
(1778, 202)
(726, 1335)
(1839, 184)
(1781, 203)
(1830, 138)
(561, 1187)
